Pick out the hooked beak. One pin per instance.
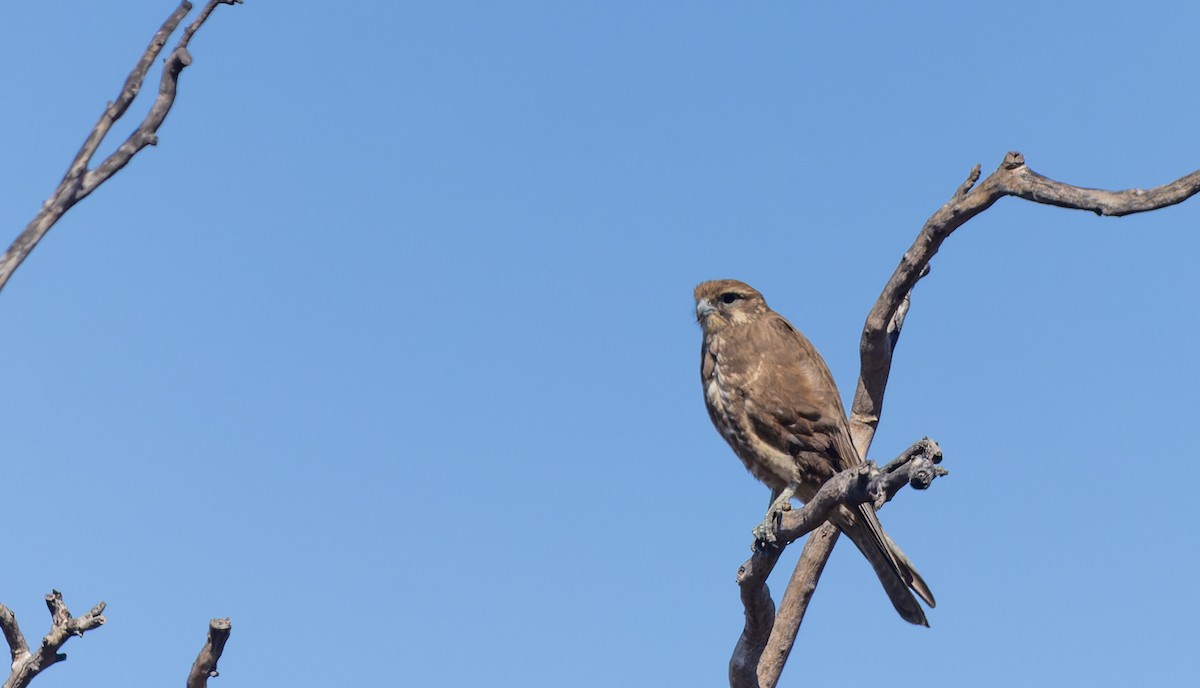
(703, 308)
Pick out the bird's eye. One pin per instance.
(730, 297)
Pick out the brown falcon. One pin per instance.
(772, 397)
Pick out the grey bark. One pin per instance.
(80, 180)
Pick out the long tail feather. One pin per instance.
(893, 568)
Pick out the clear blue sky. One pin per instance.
(387, 350)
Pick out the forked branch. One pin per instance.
(768, 637)
(1012, 178)
(80, 181)
(27, 664)
(865, 483)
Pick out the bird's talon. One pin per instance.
(762, 546)
(766, 532)
(764, 540)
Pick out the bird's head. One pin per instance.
(721, 303)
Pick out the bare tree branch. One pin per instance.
(766, 638)
(1012, 178)
(881, 333)
(794, 605)
(79, 181)
(205, 666)
(25, 664)
(864, 483)
(77, 184)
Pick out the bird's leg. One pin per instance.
(781, 501)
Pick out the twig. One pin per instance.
(79, 181)
(26, 665)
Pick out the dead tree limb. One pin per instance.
(765, 644)
(1012, 178)
(865, 483)
(80, 181)
(205, 666)
(26, 664)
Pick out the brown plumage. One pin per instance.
(771, 396)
